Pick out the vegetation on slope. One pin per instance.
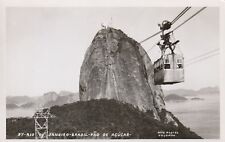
(100, 116)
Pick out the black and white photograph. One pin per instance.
(112, 72)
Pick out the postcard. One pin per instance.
(101, 71)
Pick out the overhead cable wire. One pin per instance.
(151, 48)
(150, 37)
(181, 14)
(188, 19)
(175, 19)
(201, 59)
(177, 26)
(204, 54)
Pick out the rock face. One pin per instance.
(117, 67)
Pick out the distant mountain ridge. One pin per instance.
(18, 100)
(189, 92)
(28, 105)
(52, 98)
(11, 106)
(209, 90)
(47, 100)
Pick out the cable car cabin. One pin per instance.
(169, 69)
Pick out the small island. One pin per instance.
(175, 98)
(197, 99)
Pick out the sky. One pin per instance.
(46, 45)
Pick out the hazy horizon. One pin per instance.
(78, 91)
(46, 46)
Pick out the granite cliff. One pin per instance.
(117, 67)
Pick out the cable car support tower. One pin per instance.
(41, 119)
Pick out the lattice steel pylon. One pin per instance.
(41, 123)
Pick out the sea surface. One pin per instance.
(201, 116)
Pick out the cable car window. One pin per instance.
(166, 66)
(166, 61)
(179, 66)
(179, 61)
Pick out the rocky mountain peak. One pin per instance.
(117, 67)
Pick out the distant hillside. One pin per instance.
(188, 92)
(174, 97)
(47, 100)
(18, 100)
(181, 92)
(64, 97)
(28, 105)
(101, 116)
(11, 106)
(209, 90)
